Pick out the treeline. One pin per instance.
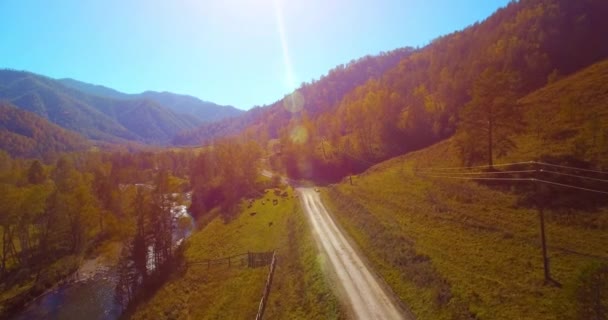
(226, 172)
(219, 176)
(468, 82)
(52, 215)
(149, 254)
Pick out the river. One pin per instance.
(92, 297)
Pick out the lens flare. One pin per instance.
(294, 102)
(291, 83)
(299, 135)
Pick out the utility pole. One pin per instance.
(541, 215)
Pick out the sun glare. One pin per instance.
(284, 44)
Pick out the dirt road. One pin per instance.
(364, 293)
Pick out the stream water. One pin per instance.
(89, 299)
(94, 297)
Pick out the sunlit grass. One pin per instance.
(458, 249)
(234, 293)
(452, 248)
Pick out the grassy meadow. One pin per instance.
(455, 249)
(298, 290)
(458, 249)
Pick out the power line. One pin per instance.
(517, 163)
(568, 167)
(520, 179)
(573, 175)
(459, 176)
(570, 186)
(483, 173)
(516, 171)
(492, 179)
(484, 166)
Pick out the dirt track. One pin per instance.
(364, 294)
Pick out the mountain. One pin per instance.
(25, 134)
(203, 111)
(184, 104)
(312, 98)
(458, 84)
(97, 118)
(475, 243)
(413, 98)
(94, 89)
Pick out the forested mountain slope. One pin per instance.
(95, 117)
(203, 111)
(26, 135)
(313, 98)
(449, 85)
(473, 246)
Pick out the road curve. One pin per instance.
(364, 294)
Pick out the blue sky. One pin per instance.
(238, 52)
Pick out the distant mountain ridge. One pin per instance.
(103, 114)
(204, 111)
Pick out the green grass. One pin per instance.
(454, 249)
(568, 117)
(234, 293)
(300, 289)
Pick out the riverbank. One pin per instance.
(64, 273)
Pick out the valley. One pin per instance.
(462, 177)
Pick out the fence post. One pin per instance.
(262, 306)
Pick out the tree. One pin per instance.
(140, 242)
(492, 114)
(72, 206)
(9, 202)
(35, 174)
(161, 219)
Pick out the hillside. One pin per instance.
(94, 89)
(419, 97)
(95, 117)
(183, 104)
(202, 111)
(26, 135)
(568, 119)
(452, 248)
(314, 98)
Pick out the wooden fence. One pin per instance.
(262, 306)
(249, 260)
